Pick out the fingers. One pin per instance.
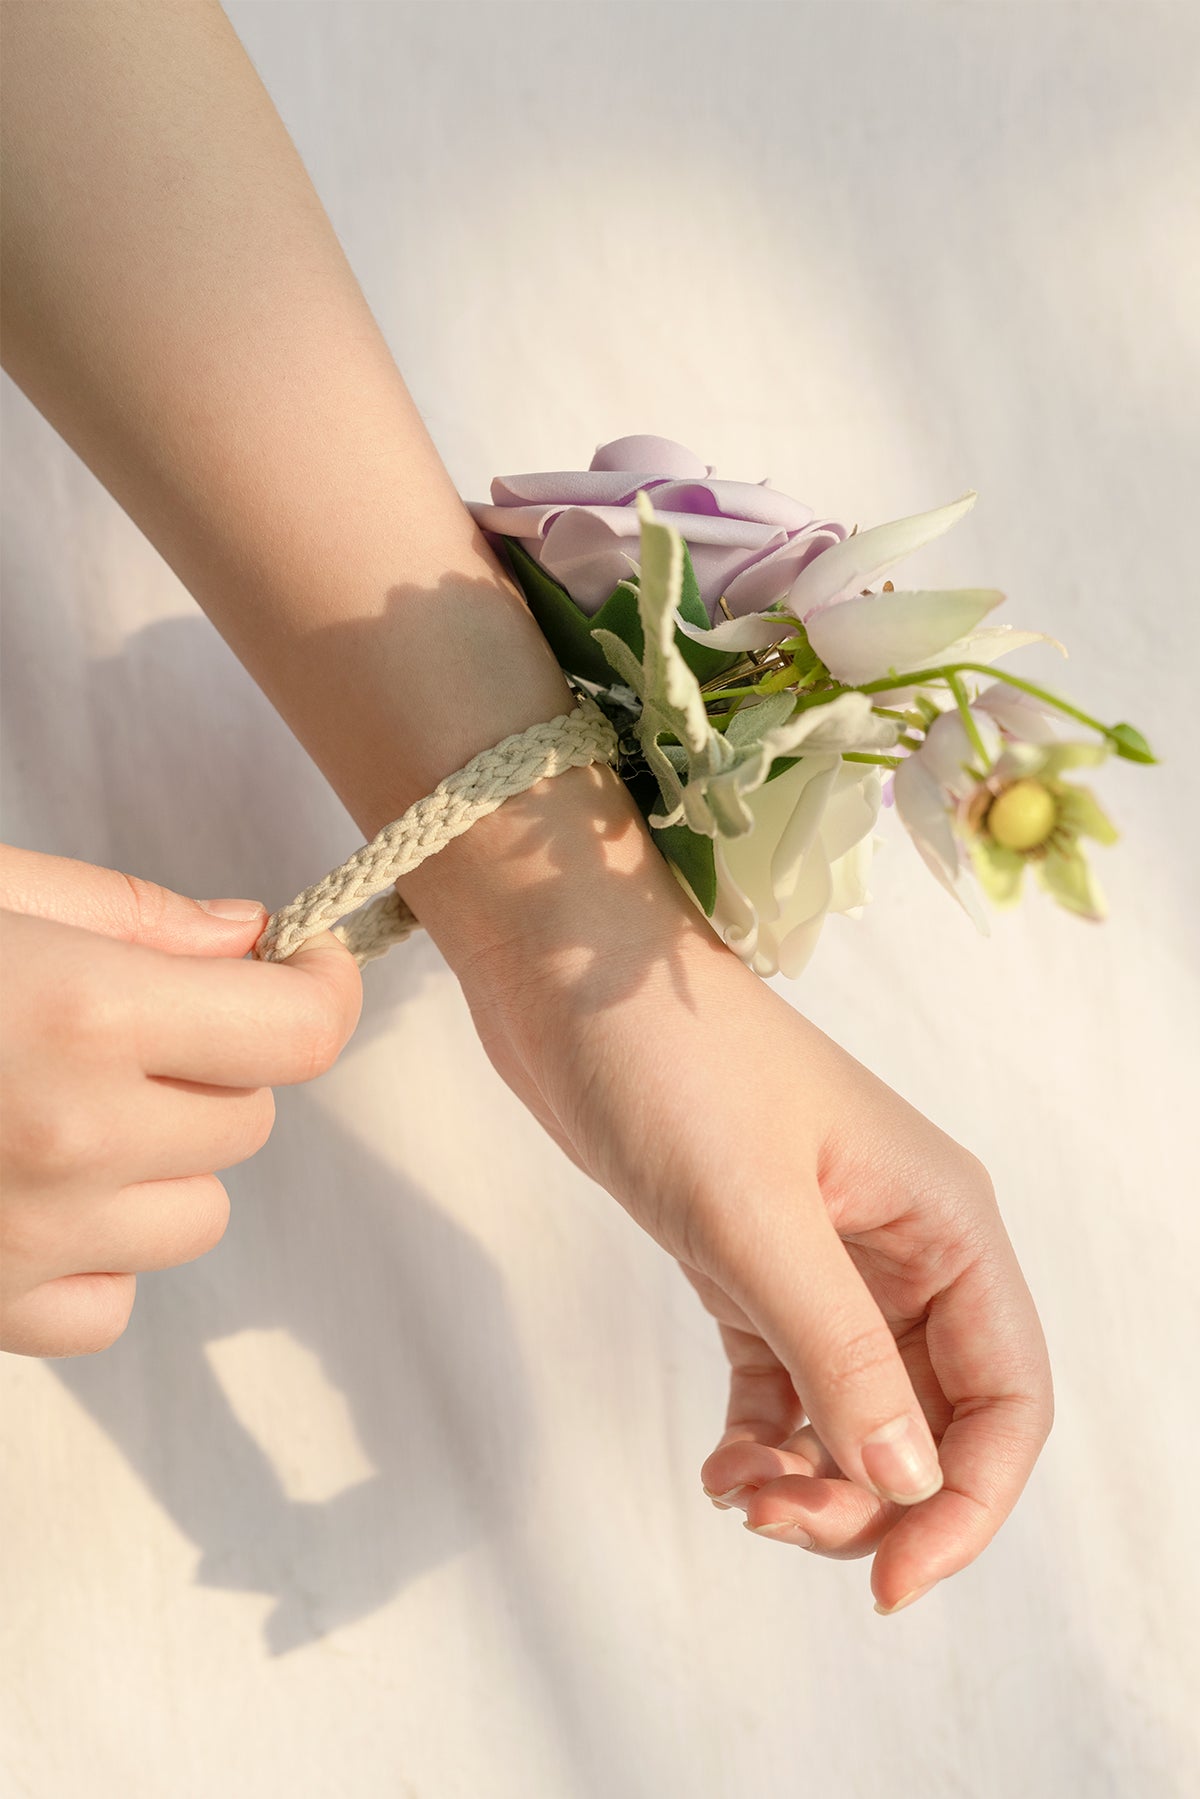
(162, 1130)
(186, 1128)
(987, 1348)
(123, 906)
(251, 1024)
(763, 1412)
(783, 1478)
(743, 1464)
(762, 1398)
(78, 1292)
(979, 1361)
(817, 1313)
(135, 1230)
(78, 1315)
(831, 1517)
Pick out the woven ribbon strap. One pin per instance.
(481, 786)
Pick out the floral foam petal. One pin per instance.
(874, 634)
(919, 802)
(847, 567)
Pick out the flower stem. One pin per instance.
(922, 676)
(925, 677)
(862, 756)
(954, 682)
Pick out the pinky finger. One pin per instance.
(144, 1226)
(162, 1224)
(77, 1314)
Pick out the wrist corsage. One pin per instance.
(767, 701)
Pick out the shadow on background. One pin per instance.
(326, 1240)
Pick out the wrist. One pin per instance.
(562, 874)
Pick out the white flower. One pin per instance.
(993, 818)
(927, 788)
(707, 774)
(807, 854)
(862, 636)
(787, 849)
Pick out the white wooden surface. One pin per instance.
(396, 1492)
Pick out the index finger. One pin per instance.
(251, 1023)
(986, 1347)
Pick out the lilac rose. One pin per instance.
(746, 541)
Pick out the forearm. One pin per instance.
(176, 303)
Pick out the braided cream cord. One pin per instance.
(471, 792)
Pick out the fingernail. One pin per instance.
(885, 1611)
(796, 1532)
(901, 1462)
(723, 1501)
(242, 910)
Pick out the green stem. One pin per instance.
(969, 726)
(727, 693)
(862, 756)
(922, 676)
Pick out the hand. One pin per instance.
(137, 1056)
(852, 1254)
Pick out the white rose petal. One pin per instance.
(872, 635)
(807, 854)
(848, 567)
(991, 641)
(850, 873)
(753, 631)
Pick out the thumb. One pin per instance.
(818, 1315)
(336, 980)
(125, 906)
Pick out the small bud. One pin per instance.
(1129, 742)
(1022, 816)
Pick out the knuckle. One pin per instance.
(83, 1019)
(52, 1139)
(144, 904)
(857, 1357)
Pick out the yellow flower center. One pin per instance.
(1022, 815)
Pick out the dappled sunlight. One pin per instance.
(282, 1398)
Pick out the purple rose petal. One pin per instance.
(746, 541)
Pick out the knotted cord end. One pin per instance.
(482, 785)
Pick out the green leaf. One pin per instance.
(750, 724)
(695, 858)
(692, 854)
(568, 631)
(1129, 742)
(703, 661)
